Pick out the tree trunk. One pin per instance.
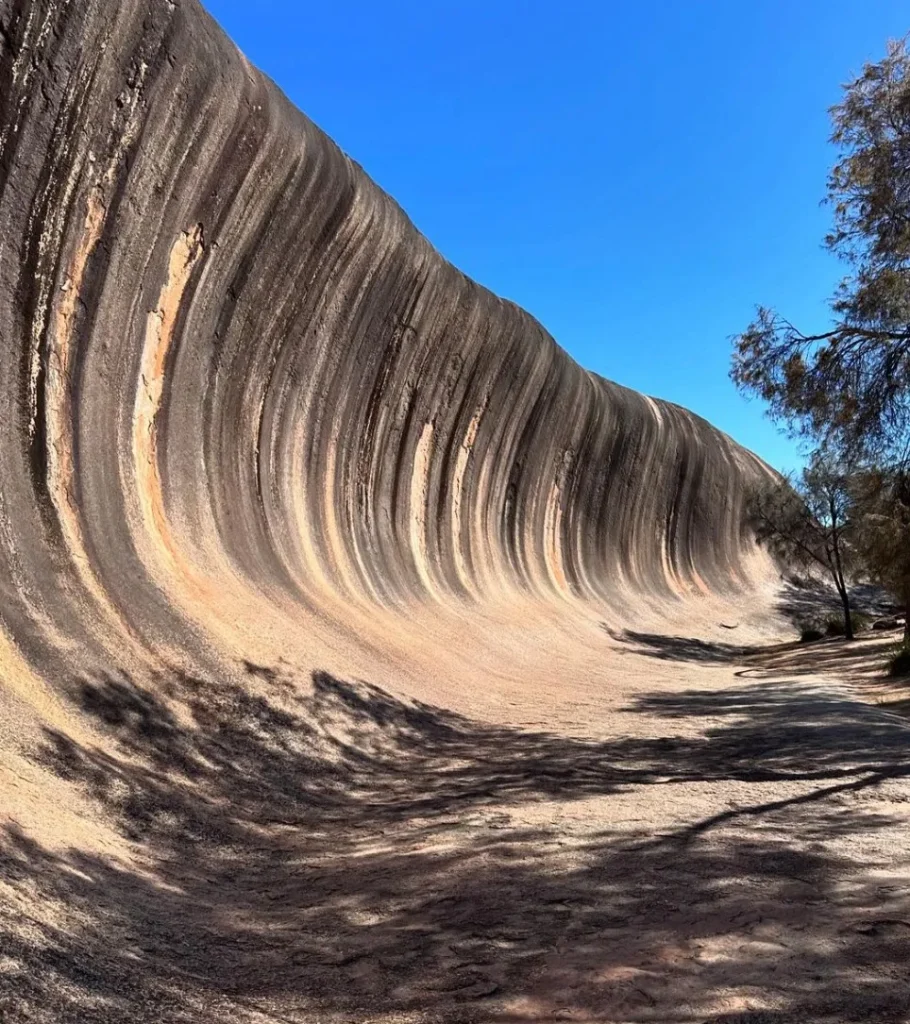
(837, 570)
(848, 618)
(907, 625)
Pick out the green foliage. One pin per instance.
(881, 504)
(805, 522)
(849, 385)
(804, 519)
(846, 388)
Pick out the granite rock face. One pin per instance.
(225, 352)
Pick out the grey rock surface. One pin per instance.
(362, 657)
(219, 336)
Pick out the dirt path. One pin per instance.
(729, 843)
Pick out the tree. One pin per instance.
(881, 502)
(848, 386)
(806, 521)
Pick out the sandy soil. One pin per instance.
(668, 828)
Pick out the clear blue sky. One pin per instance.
(636, 175)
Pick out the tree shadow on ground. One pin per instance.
(681, 648)
(333, 853)
(852, 661)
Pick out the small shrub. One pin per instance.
(809, 633)
(833, 625)
(899, 662)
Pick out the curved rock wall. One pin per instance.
(225, 352)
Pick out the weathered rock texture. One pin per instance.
(363, 658)
(227, 353)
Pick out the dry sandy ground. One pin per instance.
(659, 827)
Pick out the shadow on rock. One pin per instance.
(808, 601)
(681, 648)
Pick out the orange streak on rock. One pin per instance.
(185, 254)
(418, 514)
(59, 395)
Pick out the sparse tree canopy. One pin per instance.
(805, 521)
(849, 385)
(881, 504)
